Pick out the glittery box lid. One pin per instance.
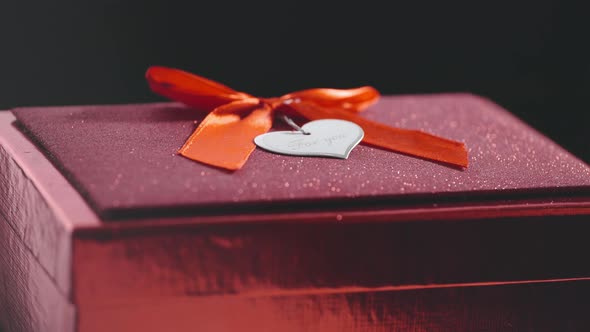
(122, 159)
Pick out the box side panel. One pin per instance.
(271, 258)
(33, 220)
(38, 203)
(29, 299)
(538, 307)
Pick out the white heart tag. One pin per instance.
(325, 138)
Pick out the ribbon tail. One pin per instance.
(412, 142)
(225, 138)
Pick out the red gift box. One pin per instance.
(106, 228)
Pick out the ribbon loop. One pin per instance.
(192, 90)
(355, 100)
(225, 138)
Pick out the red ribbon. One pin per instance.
(225, 138)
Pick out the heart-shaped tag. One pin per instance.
(324, 138)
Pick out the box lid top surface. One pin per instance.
(122, 159)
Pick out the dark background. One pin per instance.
(532, 57)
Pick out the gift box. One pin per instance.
(106, 228)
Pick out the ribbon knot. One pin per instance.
(225, 138)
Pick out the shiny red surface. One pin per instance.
(539, 307)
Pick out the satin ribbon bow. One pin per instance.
(225, 138)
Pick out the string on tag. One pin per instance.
(292, 124)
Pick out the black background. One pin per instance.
(532, 57)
